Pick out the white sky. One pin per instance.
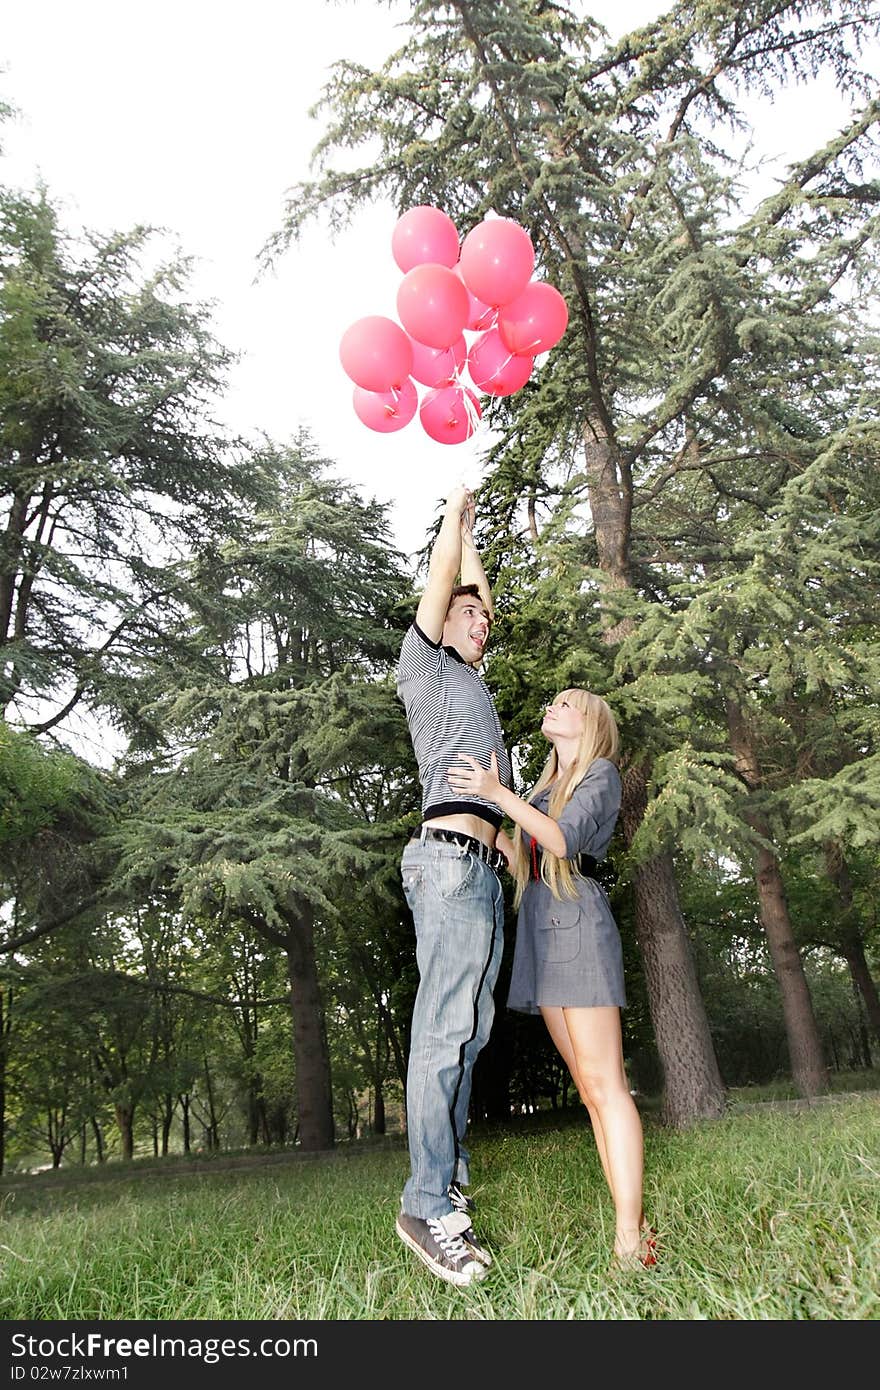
(192, 115)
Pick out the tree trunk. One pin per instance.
(184, 1120)
(12, 550)
(310, 1051)
(807, 1063)
(693, 1088)
(253, 1115)
(99, 1139)
(378, 1108)
(5, 1025)
(851, 944)
(167, 1122)
(212, 1128)
(125, 1121)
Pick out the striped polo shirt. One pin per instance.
(449, 711)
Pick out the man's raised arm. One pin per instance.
(444, 565)
(472, 571)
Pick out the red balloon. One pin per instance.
(432, 304)
(438, 366)
(480, 316)
(534, 321)
(497, 259)
(424, 234)
(386, 411)
(494, 368)
(376, 353)
(450, 414)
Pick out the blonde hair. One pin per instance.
(599, 739)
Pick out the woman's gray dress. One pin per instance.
(568, 952)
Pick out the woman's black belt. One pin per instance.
(583, 864)
(489, 855)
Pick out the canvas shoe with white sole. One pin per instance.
(440, 1244)
(463, 1203)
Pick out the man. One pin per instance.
(451, 879)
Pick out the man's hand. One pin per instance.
(460, 501)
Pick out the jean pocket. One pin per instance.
(452, 874)
(412, 876)
(558, 938)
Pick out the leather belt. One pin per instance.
(489, 855)
(584, 864)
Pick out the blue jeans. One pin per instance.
(458, 910)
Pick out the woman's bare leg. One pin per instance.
(554, 1018)
(594, 1038)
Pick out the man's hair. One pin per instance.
(472, 591)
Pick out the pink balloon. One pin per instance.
(480, 316)
(534, 321)
(432, 304)
(386, 411)
(494, 368)
(376, 353)
(497, 258)
(424, 234)
(450, 414)
(438, 366)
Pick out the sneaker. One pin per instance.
(461, 1202)
(476, 1246)
(440, 1244)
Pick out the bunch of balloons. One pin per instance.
(484, 288)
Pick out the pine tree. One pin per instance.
(253, 808)
(110, 465)
(622, 161)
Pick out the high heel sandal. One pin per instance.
(647, 1245)
(643, 1258)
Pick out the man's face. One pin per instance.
(467, 628)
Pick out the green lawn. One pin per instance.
(769, 1213)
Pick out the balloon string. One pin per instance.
(496, 375)
(474, 418)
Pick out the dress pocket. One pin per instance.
(558, 938)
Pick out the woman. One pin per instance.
(568, 963)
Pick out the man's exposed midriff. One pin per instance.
(474, 826)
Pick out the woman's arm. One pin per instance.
(505, 844)
(478, 782)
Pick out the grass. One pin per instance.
(770, 1213)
